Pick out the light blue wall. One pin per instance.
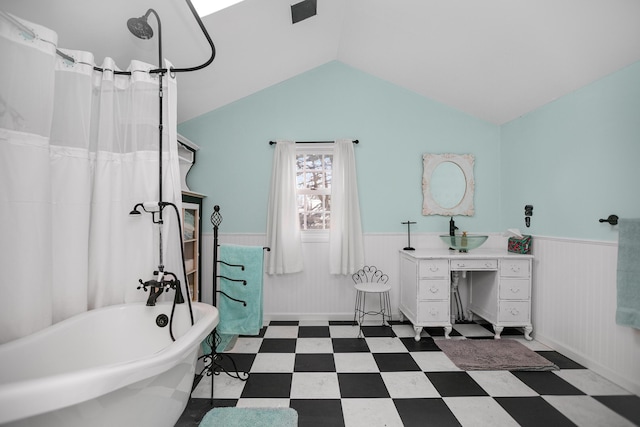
(576, 160)
(395, 127)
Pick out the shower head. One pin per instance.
(135, 210)
(140, 28)
(149, 207)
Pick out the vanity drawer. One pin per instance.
(514, 289)
(513, 311)
(474, 264)
(515, 268)
(433, 311)
(438, 268)
(433, 289)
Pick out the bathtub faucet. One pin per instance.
(155, 290)
(157, 287)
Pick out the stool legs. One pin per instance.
(360, 310)
(361, 299)
(387, 308)
(356, 308)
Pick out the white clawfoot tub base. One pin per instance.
(111, 366)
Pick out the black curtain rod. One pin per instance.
(355, 141)
(174, 70)
(154, 71)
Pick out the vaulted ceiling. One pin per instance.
(493, 59)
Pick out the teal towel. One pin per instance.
(250, 417)
(235, 318)
(628, 311)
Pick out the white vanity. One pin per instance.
(500, 287)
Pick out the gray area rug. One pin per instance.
(493, 355)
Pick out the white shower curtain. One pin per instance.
(78, 149)
(346, 253)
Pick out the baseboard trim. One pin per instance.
(626, 383)
(317, 317)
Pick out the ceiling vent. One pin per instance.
(303, 10)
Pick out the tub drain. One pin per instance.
(162, 320)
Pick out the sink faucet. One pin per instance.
(452, 227)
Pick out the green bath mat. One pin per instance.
(250, 417)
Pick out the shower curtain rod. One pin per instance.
(31, 34)
(355, 141)
(154, 71)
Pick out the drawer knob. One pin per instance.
(433, 290)
(487, 264)
(434, 268)
(515, 290)
(514, 311)
(434, 312)
(515, 268)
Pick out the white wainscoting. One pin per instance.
(313, 294)
(574, 307)
(574, 294)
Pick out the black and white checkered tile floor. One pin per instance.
(332, 378)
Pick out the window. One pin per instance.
(207, 7)
(313, 180)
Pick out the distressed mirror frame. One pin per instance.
(465, 162)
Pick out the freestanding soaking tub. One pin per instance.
(112, 366)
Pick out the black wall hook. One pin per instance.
(528, 213)
(611, 219)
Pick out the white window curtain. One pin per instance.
(345, 238)
(78, 149)
(283, 224)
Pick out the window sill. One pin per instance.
(315, 236)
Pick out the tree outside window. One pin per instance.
(313, 181)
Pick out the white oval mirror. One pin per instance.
(448, 184)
